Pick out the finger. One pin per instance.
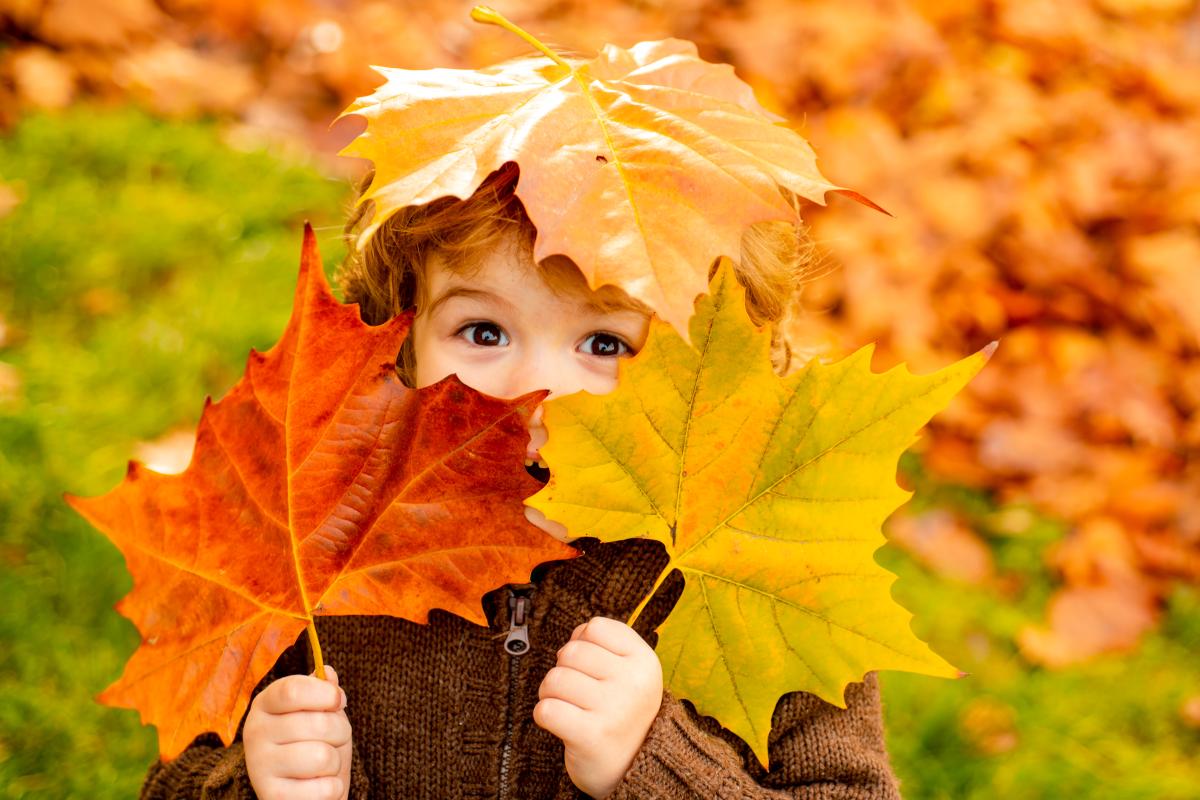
(301, 693)
(573, 686)
(589, 658)
(330, 727)
(332, 676)
(540, 520)
(613, 635)
(306, 760)
(326, 788)
(563, 719)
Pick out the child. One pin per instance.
(558, 699)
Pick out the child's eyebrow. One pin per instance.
(603, 308)
(467, 291)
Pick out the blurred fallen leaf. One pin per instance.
(1087, 621)
(98, 23)
(10, 383)
(1170, 262)
(178, 81)
(42, 78)
(1167, 555)
(100, 301)
(990, 725)
(1189, 711)
(9, 199)
(1097, 552)
(1030, 445)
(943, 543)
(1135, 7)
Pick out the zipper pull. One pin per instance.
(517, 641)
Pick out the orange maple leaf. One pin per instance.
(319, 485)
(641, 165)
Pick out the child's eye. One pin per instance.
(484, 334)
(605, 344)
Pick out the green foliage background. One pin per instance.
(145, 259)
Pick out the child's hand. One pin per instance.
(297, 740)
(600, 700)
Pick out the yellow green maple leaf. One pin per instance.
(768, 493)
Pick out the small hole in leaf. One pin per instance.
(602, 159)
(541, 473)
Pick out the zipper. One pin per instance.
(517, 641)
(516, 644)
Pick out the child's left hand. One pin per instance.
(600, 700)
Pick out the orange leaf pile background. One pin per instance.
(319, 485)
(1040, 158)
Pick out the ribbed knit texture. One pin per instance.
(440, 711)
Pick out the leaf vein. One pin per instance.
(798, 607)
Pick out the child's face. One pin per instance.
(504, 331)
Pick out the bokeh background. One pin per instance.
(1040, 158)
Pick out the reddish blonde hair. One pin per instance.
(386, 276)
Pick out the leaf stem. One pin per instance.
(492, 17)
(316, 649)
(650, 595)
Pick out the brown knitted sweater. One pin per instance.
(442, 711)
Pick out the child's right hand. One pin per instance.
(297, 740)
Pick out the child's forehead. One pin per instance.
(509, 273)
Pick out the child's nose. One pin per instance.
(544, 371)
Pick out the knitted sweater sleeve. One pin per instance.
(817, 752)
(208, 770)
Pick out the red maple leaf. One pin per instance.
(319, 485)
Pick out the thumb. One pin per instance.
(330, 674)
(332, 677)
